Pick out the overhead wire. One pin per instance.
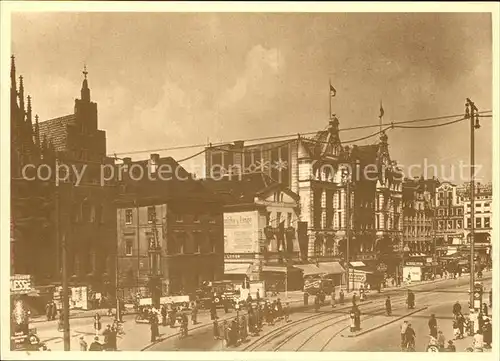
(368, 126)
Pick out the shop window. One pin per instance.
(151, 214)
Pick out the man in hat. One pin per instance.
(96, 345)
(487, 332)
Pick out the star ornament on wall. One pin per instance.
(280, 165)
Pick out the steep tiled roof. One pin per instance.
(56, 130)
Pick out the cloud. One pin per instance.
(258, 78)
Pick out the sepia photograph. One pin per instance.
(272, 179)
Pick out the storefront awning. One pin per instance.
(451, 252)
(322, 268)
(237, 268)
(277, 269)
(357, 264)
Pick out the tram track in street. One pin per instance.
(264, 340)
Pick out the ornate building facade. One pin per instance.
(331, 181)
(419, 223)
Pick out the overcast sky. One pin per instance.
(163, 80)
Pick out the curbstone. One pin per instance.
(386, 323)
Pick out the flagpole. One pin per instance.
(381, 116)
(330, 98)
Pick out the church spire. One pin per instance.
(28, 114)
(85, 92)
(21, 97)
(13, 85)
(37, 132)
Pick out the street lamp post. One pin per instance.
(474, 124)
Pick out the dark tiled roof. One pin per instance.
(56, 130)
(176, 184)
(236, 191)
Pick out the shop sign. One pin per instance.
(366, 256)
(20, 284)
(413, 263)
(357, 277)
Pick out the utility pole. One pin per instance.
(348, 226)
(473, 113)
(61, 239)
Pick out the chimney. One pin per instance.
(154, 160)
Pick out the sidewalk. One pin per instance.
(136, 337)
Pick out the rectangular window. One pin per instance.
(440, 212)
(478, 222)
(460, 224)
(128, 216)
(486, 222)
(469, 223)
(460, 211)
(180, 243)
(450, 224)
(247, 159)
(441, 202)
(128, 248)
(151, 214)
(440, 224)
(212, 243)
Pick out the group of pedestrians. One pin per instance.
(51, 311)
(110, 335)
(236, 331)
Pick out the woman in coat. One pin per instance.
(97, 323)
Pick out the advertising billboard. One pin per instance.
(241, 232)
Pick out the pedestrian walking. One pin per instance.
(97, 323)
(441, 341)
(456, 330)
(286, 311)
(485, 309)
(433, 326)
(352, 318)
(279, 309)
(55, 311)
(354, 298)
(234, 334)
(404, 326)
(410, 338)
(316, 303)
(457, 308)
(357, 313)
(48, 311)
(194, 313)
(226, 331)
(333, 298)
(341, 297)
(96, 345)
(487, 333)
(215, 329)
(83, 344)
(107, 335)
(306, 298)
(388, 306)
(461, 324)
(60, 323)
(243, 329)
